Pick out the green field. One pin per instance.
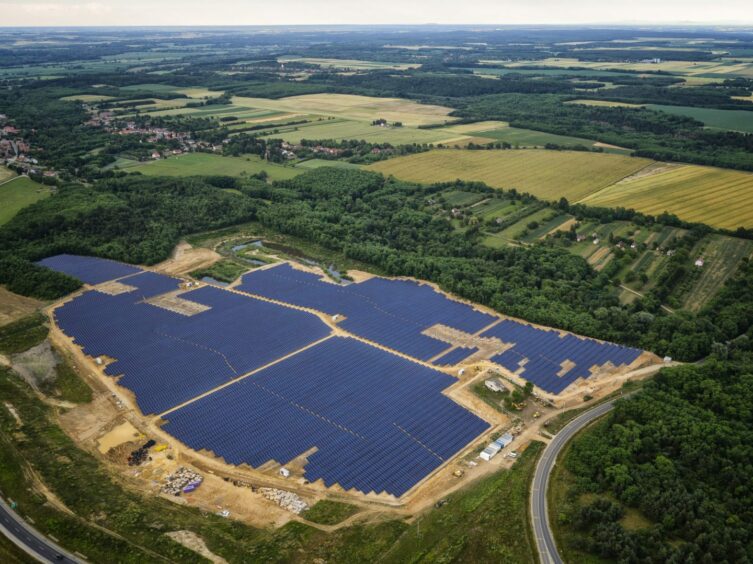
(715, 196)
(548, 175)
(318, 163)
(206, 164)
(6, 174)
(721, 256)
(19, 193)
(361, 130)
(501, 131)
(733, 120)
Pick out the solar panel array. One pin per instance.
(167, 358)
(91, 270)
(456, 355)
(379, 422)
(546, 350)
(390, 312)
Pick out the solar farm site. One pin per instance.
(348, 381)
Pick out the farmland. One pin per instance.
(196, 164)
(351, 64)
(693, 193)
(17, 194)
(721, 256)
(499, 131)
(717, 70)
(362, 130)
(733, 120)
(358, 108)
(545, 174)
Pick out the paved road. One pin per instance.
(539, 515)
(29, 540)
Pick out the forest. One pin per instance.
(381, 222)
(679, 453)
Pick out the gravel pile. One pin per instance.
(287, 500)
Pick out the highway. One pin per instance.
(545, 544)
(29, 540)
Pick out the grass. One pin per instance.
(529, 138)
(361, 130)
(6, 174)
(487, 522)
(326, 512)
(18, 193)
(718, 197)
(546, 174)
(23, 334)
(733, 120)
(496, 207)
(722, 255)
(318, 163)
(223, 270)
(604, 103)
(67, 385)
(358, 108)
(206, 164)
(460, 198)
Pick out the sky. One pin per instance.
(317, 12)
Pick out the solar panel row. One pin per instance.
(390, 312)
(455, 356)
(88, 269)
(167, 358)
(379, 422)
(545, 351)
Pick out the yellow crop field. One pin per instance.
(686, 68)
(359, 108)
(548, 175)
(715, 196)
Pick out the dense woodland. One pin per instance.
(679, 453)
(381, 222)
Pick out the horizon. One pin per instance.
(544, 13)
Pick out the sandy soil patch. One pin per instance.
(186, 258)
(123, 433)
(13, 306)
(192, 541)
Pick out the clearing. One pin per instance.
(206, 164)
(545, 174)
(18, 193)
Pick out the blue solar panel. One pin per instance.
(454, 356)
(393, 313)
(90, 270)
(547, 350)
(379, 422)
(167, 358)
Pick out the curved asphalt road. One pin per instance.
(30, 541)
(539, 515)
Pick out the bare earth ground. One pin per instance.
(13, 306)
(186, 258)
(109, 427)
(191, 540)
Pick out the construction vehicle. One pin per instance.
(459, 473)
